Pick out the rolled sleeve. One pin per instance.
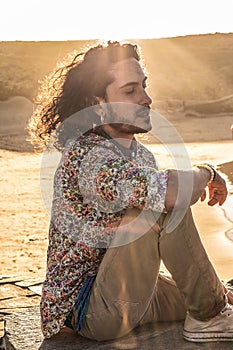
(118, 184)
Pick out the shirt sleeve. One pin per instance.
(112, 183)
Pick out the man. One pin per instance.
(111, 209)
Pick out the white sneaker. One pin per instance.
(218, 328)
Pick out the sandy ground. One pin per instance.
(24, 222)
(25, 219)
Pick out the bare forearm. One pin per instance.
(185, 187)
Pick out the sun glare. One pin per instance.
(115, 20)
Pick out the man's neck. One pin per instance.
(123, 138)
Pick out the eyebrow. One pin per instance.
(132, 83)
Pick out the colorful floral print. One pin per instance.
(93, 185)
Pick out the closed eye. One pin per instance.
(130, 91)
(130, 88)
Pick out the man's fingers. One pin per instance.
(222, 200)
(203, 196)
(212, 202)
(217, 194)
(217, 198)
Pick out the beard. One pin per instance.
(130, 129)
(132, 120)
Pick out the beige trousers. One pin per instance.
(130, 291)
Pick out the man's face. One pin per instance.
(132, 114)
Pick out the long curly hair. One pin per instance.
(73, 87)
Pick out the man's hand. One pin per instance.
(217, 191)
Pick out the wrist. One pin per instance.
(210, 168)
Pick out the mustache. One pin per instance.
(142, 110)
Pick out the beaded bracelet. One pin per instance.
(210, 168)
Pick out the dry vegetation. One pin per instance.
(191, 67)
(197, 67)
(189, 78)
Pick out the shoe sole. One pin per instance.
(207, 337)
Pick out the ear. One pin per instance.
(100, 100)
(99, 108)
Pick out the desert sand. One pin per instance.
(25, 218)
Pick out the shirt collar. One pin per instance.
(128, 152)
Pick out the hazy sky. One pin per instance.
(106, 19)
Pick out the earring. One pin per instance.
(102, 116)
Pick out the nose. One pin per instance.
(145, 99)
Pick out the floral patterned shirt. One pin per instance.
(96, 180)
